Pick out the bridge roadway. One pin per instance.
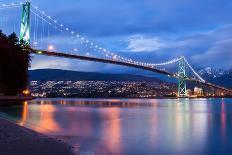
(109, 61)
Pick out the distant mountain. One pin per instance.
(65, 75)
(211, 72)
(217, 76)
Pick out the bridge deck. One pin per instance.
(71, 56)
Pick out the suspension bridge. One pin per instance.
(38, 29)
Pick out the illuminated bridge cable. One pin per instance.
(107, 53)
(58, 26)
(194, 72)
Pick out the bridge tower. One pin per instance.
(182, 92)
(25, 23)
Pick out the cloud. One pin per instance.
(218, 56)
(140, 43)
(49, 62)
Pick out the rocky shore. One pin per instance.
(18, 140)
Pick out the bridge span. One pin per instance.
(121, 63)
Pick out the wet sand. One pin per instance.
(18, 140)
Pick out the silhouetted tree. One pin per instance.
(14, 62)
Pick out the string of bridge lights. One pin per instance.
(109, 54)
(191, 68)
(90, 44)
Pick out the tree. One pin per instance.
(14, 62)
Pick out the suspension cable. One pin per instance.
(195, 73)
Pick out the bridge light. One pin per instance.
(40, 52)
(115, 57)
(51, 48)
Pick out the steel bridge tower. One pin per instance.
(182, 92)
(25, 23)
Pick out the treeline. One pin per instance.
(14, 62)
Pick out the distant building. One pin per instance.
(198, 91)
(189, 92)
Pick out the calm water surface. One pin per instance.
(135, 127)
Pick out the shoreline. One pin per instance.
(21, 140)
(208, 97)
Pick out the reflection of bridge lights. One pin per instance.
(51, 48)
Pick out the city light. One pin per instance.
(26, 92)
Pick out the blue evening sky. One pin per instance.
(149, 30)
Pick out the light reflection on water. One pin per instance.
(114, 126)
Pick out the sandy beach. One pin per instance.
(18, 140)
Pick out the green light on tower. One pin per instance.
(25, 23)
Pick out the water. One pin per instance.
(136, 127)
